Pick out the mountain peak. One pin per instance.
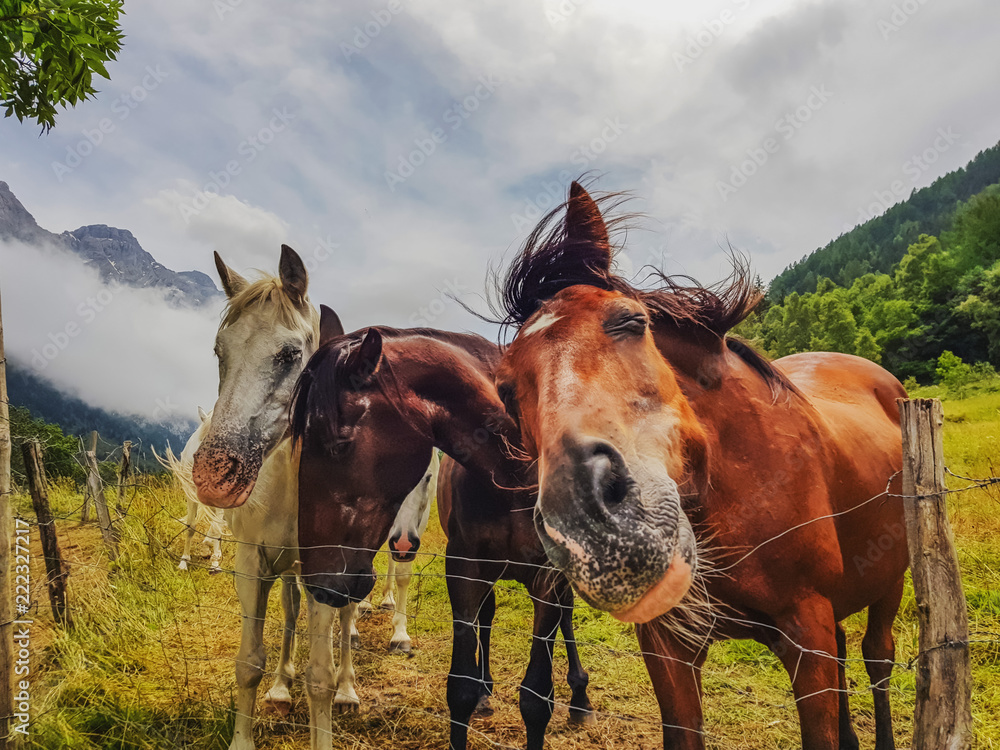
(115, 253)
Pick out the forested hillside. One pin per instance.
(880, 243)
(942, 295)
(43, 403)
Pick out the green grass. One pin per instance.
(149, 663)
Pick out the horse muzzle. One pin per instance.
(404, 547)
(222, 478)
(617, 532)
(340, 590)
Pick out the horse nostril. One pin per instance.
(608, 474)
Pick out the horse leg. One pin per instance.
(252, 588)
(346, 699)
(675, 671)
(190, 521)
(215, 535)
(580, 710)
(848, 737)
(355, 636)
(467, 591)
(879, 650)
(806, 646)
(400, 642)
(487, 612)
(278, 699)
(536, 694)
(319, 674)
(388, 600)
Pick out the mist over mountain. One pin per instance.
(115, 253)
(100, 335)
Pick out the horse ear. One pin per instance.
(201, 414)
(584, 222)
(363, 362)
(293, 275)
(232, 282)
(329, 324)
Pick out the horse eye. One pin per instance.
(288, 355)
(632, 324)
(341, 447)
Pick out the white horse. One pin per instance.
(246, 464)
(181, 469)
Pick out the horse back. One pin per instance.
(855, 401)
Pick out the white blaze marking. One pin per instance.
(543, 322)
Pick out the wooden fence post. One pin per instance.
(123, 473)
(6, 604)
(100, 502)
(35, 471)
(943, 716)
(82, 458)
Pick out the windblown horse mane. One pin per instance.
(330, 370)
(266, 291)
(551, 261)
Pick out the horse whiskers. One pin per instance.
(693, 619)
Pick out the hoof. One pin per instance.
(399, 647)
(355, 642)
(364, 607)
(281, 709)
(214, 570)
(183, 564)
(388, 606)
(579, 718)
(346, 707)
(483, 708)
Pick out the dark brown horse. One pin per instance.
(369, 409)
(665, 447)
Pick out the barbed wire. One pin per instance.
(178, 655)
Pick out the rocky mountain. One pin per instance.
(115, 253)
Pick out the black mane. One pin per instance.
(550, 261)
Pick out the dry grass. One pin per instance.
(149, 663)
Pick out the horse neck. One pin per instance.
(697, 358)
(270, 515)
(465, 416)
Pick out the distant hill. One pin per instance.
(78, 418)
(880, 243)
(115, 253)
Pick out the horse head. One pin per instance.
(268, 332)
(360, 457)
(617, 442)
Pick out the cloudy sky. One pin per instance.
(402, 147)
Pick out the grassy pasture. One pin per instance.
(149, 663)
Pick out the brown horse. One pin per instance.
(368, 410)
(665, 448)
